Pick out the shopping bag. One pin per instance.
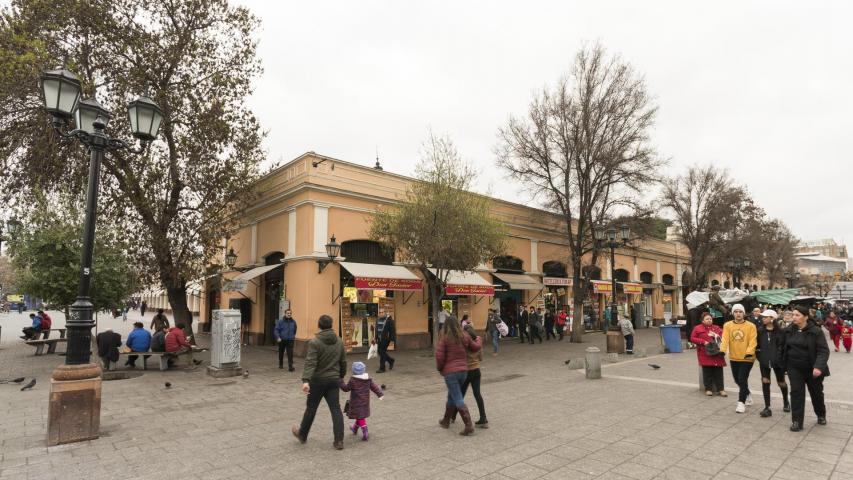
(372, 352)
(503, 329)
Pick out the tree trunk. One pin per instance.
(435, 300)
(180, 311)
(577, 301)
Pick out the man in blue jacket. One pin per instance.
(139, 340)
(32, 332)
(285, 334)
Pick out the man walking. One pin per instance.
(549, 325)
(523, 320)
(386, 332)
(159, 322)
(628, 332)
(285, 334)
(534, 319)
(325, 366)
(740, 339)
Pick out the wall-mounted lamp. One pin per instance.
(333, 248)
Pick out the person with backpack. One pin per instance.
(769, 352)
(706, 336)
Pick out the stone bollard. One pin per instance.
(593, 363)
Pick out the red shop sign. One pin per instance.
(387, 284)
(470, 290)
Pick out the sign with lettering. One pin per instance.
(387, 284)
(234, 285)
(632, 288)
(556, 281)
(486, 290)
(602, 287)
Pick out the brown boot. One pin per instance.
(466, 417)
(449, 410)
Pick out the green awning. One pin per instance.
(782, 296)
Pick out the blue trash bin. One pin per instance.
(671, 337)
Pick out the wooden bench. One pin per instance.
(45, 334)
(50, 343)
(162, 356)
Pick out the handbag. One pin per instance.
(373, 351)
(503, 329)
(712, 348)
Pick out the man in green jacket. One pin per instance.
(325, 366)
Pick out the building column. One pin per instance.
(321, 230)
(291, 233)
(534, 256)
(254, 252)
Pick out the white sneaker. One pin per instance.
(748, 400)
(740, 407)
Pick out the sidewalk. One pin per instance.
(546, 422)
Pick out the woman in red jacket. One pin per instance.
(712, 365)
(451, 359)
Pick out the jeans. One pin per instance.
(713, 378)
(454, 383)
(629, 343)
(800, 380)
(496, 335)
(779, 373)
(282, 346)
(473, 379)
(740, 371)
(383, 354)
(328, 389)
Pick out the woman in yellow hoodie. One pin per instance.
(740, 338)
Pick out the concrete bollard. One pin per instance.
(593, 363)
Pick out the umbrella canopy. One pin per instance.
(782, 296)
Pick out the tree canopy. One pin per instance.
(197, 59)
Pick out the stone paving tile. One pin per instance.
(636, 471)
(523, 471)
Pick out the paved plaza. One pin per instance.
(546, 422)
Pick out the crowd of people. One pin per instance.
(794, 345)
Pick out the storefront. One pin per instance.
(558, 294)
(515, 290)
(368, 289)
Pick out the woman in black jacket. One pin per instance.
(769, 352)
(805, 355)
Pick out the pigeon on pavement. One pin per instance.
(654, 366)
(29, 385)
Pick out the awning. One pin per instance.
(669, 287)
(781, 296)
(255, 272)
(517, 281)
(370, 276)
(466, 283)
(632, 288)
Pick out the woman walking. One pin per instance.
(740, 339)
(805, 355)
(712, 365)
(451, 359)
(770, 359)
(832, 324)
(493, 330)
(473, 379)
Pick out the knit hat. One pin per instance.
(357, 368)
(738, 306)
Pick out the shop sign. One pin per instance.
(667, 298)
(602, 287)
(556, 281)
(485, 290)
(632, 288)
(234, 285)
(387, 284)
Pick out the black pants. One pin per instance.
(713, 377)
(282, 346)
(473, 379)
(800, 380)
(629, 343)
(740, 370)
(534, 330)
(779, 373)
(560, 330)
(383, 354)
(330, 390)
(549, 332)
(31, 333)
(131, 359)
(522, 331)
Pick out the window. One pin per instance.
(646, 277)
(508, 263)
(621, 275)
(667, 279)
(554, 269)
(367, 251)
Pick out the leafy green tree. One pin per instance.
(45, 254)
(441, 225)
(197, 59)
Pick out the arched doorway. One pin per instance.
(273, 289)
(621, 275)
(647, 277)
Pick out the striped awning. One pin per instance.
(782, 296)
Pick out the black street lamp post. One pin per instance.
(61, 94)
(822, 287)
(792, 278)
(606, 237)
(737, 265)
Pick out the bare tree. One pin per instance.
(584, 148)
(778, 253)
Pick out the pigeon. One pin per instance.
(654, 366)
(29, 385)
(168, 385)
(19, 379)
(568, 361)
(245, 374)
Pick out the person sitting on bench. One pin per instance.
(108, 342)
(32, 332)
(158, 341)
(139, 340)
(177, 343)
(46, 323)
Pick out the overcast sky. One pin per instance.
(760, 88)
